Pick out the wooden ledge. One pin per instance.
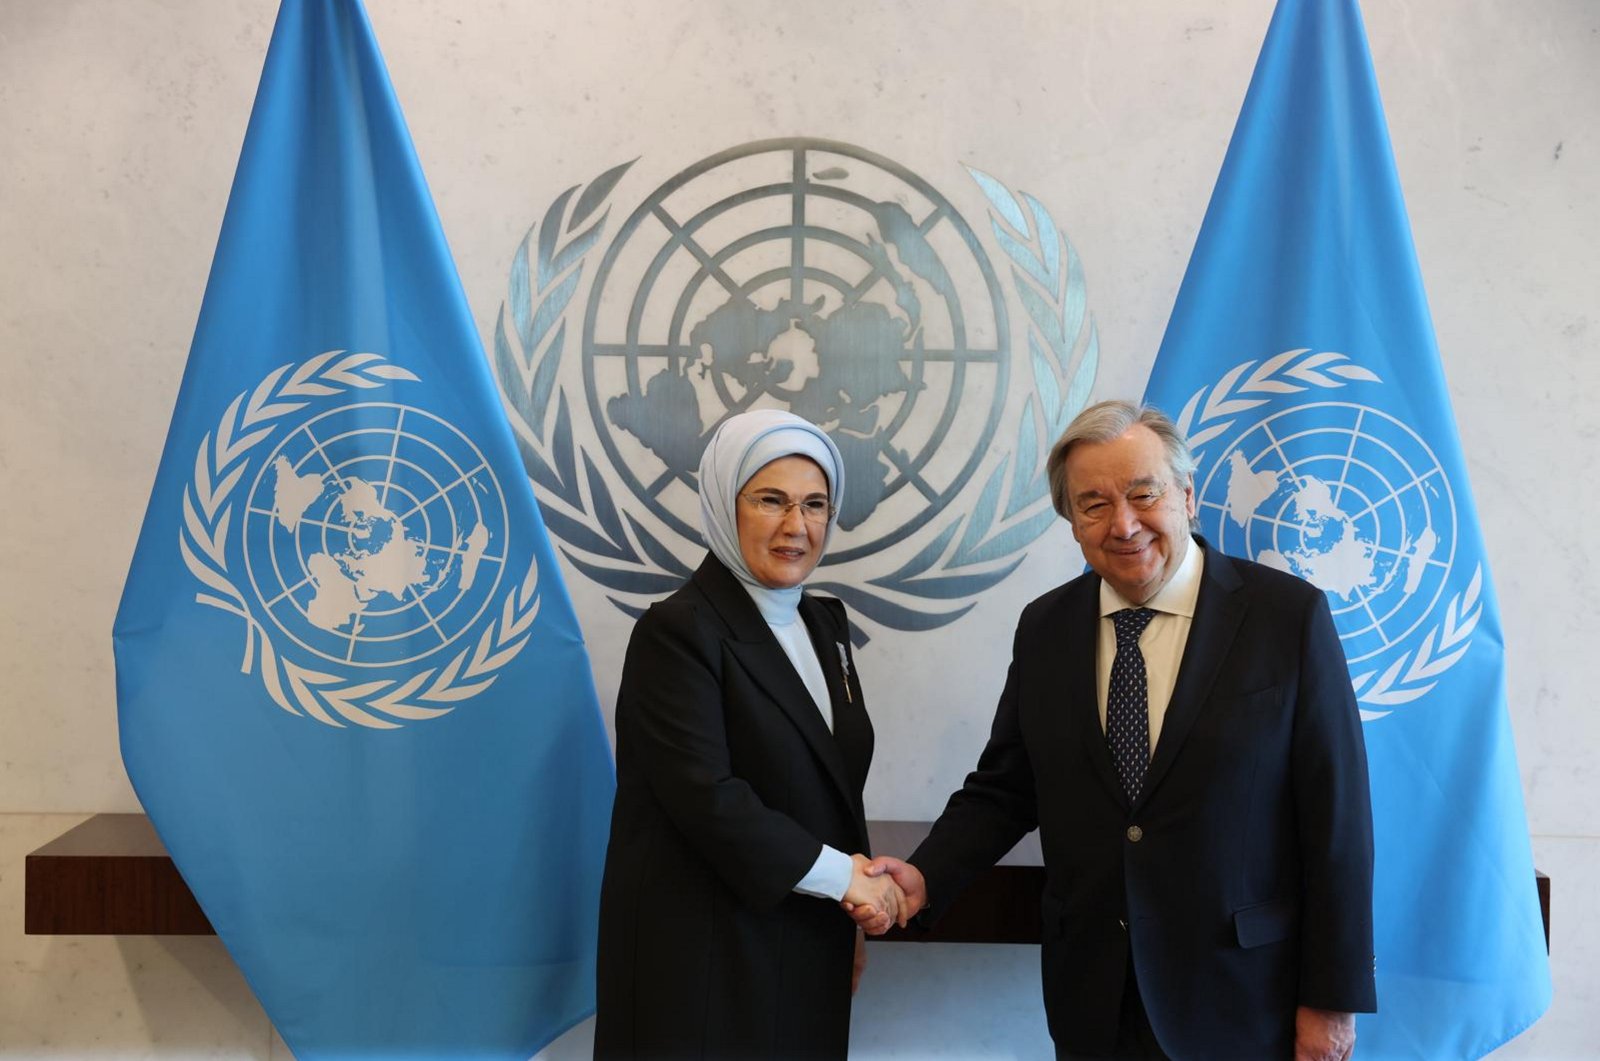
(112, 876)
(1001, 906)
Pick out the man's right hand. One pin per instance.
(873, 900)
(912, 889)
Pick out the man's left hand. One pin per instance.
(1323, 1035)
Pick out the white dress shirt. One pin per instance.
(1161, 643)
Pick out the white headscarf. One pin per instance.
(742, 446)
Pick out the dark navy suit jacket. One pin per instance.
(1240, 882)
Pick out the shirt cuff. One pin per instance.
(829, 876)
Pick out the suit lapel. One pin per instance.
(852, 730)
(1218, 611)
(751, 643)
(1079, 624)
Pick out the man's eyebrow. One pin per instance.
(1146, 481)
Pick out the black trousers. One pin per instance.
(1136, 1040)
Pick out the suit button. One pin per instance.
(1135, 834)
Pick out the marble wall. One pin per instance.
(121, 123)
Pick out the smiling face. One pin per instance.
(1129, 512)
(782, 551)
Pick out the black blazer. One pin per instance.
(728, 785)
(1240, 883)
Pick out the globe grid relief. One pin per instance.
(1349, 498)
(828, 293)
(374, 534)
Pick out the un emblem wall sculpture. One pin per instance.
(820, 278)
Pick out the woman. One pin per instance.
(742, 749)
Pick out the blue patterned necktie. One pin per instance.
(1128, 701)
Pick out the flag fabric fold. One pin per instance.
(1300, 360)
(352, 691)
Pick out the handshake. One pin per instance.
(883, 891)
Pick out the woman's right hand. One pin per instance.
(880, 896)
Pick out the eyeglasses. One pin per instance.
(777, 506)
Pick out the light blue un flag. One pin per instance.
(1301, 362)
(353, 695)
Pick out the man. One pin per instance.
(1179, 725)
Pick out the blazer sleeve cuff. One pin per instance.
(829, 876)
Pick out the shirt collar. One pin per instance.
(1177, 597)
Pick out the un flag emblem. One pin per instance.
(826, 280)
(1351, 500)
(1301, 468)
(363, 545)
(368, 533)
